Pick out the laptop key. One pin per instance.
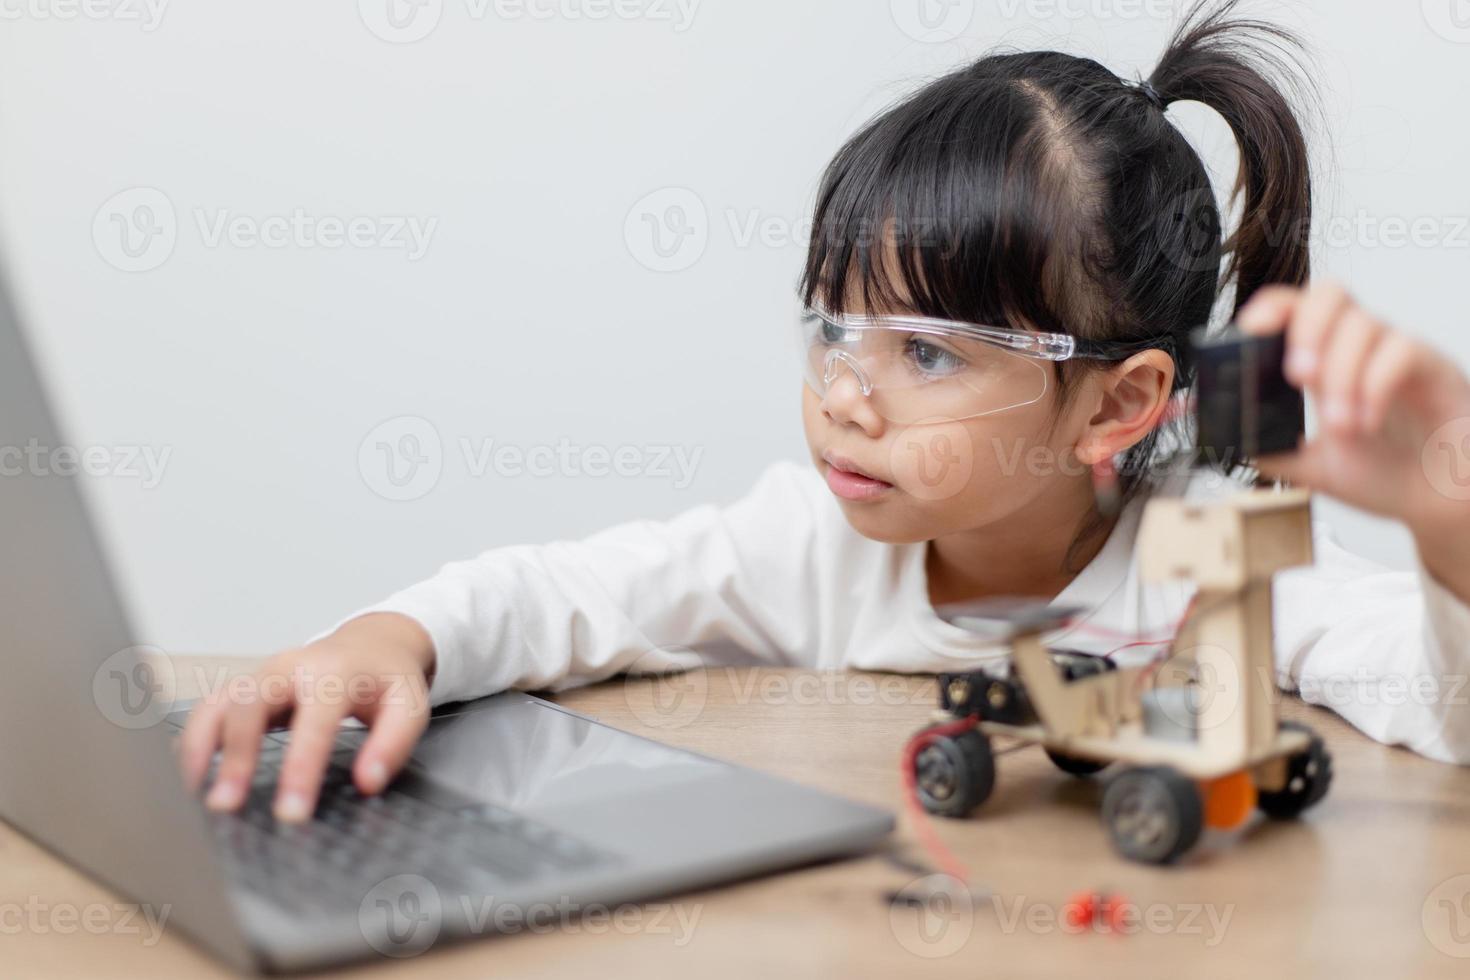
(354, 842)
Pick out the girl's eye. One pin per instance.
(931, 359)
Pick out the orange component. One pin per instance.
(1229, 800)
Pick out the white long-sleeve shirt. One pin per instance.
(781, 577)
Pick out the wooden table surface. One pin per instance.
(1375, 881)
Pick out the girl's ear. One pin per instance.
(1132, 396)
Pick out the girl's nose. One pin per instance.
(846, 397)
(836, 360)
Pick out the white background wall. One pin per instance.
(537, 313)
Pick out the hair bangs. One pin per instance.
(936, 211)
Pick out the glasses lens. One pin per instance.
(919, 375)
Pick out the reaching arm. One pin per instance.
(647, 595)
(643, 595)
(1387, 650)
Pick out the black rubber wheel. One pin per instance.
(1075, 764)
(955, 774)
(1153, 814)
(1308, 775)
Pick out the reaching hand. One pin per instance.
(374, 668)
(1394, 437)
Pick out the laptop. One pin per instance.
(511, 806)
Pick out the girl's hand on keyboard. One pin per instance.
(375, 668)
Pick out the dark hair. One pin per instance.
(1039, 190)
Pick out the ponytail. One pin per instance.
(1039, 191)
(1228, 65)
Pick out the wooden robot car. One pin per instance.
(1187, 756)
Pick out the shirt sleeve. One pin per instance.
(1388, 650)
(650, 596)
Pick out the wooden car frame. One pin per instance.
(1185, 760)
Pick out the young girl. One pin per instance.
(1004, 272)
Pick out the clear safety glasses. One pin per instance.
(917, 369)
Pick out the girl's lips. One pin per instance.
(854, 486)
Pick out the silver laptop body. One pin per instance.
(511, 805)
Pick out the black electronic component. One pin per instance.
(989, 697)
(1245, 406)
(992, 697)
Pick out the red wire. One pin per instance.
(1104, 632)
(1105, 486)
(1133, 638)
(1139, 643)
(942, 856)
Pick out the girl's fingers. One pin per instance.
(395, 729)
(1278, 466)
(1310, 329)
(200, 739)
(1349, 344)
(244, 726)
(1384, 377)
(1304, 468)
(313, 732)
(1269, 310)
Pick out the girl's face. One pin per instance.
(909, 483)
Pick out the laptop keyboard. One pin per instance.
(355, 841)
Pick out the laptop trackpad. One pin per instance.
(530, 757)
